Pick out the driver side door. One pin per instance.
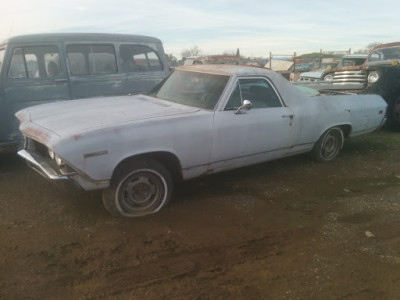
(262, 133)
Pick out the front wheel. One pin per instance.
(329, 145)
(138, 188)
(393, 114)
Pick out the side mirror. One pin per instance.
(246, 105)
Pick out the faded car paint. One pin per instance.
(202, 119)
(203, 141)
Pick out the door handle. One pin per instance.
(288, 116)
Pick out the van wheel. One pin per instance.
(140, 187)
(329, 144)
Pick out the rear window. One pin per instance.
(91, 59)
(138, 58)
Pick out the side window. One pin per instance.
(35, 62)
(2, 51)
(257, 90)
(77, 64)
(52, 63)
(138, 58)
(235, 100)
(91, 59)
(17, 67)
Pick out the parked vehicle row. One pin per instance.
(104, 112)
(346, 61)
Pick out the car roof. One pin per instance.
(229, 70)
(80, 37)
(386, 45)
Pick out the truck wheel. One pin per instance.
(393, 115)
(140, 187)
(329, 145)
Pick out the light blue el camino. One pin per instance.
(202, 119)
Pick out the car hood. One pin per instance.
(71, 117)
(346, 68)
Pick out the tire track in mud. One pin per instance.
(122, 268)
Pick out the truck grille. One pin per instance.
(345, 77)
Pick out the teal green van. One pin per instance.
(42, 68)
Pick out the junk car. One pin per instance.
(41, 68)
(379, 74)
(200, 120)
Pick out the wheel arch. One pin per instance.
(169, 160)
(346, 128)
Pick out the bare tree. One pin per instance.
(170, 57)
(372, 46)
(194, 51)
(368, 48)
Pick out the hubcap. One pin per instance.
(331, 144)
(141, 192)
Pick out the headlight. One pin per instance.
(373, 77)
(328, 77)
(51, 153)
(58, 160)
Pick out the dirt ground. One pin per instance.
(288, 229)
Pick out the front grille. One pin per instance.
(33, 146)
(345, 77)
(41, 154)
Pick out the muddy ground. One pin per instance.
(288, 229)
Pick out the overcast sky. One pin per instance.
(256, 27)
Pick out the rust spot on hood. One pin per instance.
(36, 134)
(348, 68)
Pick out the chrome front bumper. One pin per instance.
(47, 171)
(41, 166)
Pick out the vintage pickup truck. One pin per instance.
(200, 120)
(379, 74)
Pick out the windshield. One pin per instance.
(391, 53)
(2, 51)
(201, 90)
(351, 61)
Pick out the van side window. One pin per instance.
(91, 59)
(52, 63)
(138, 58)
(35, 62)
(2, 51)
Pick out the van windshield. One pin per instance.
(2, 51)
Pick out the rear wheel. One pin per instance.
(329, 144)
(138, 188)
